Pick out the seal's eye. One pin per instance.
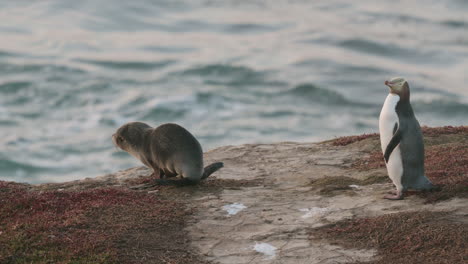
(120, 139)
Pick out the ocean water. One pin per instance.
(231, 72)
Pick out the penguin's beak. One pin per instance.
(389, 84)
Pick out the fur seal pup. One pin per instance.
(168, 149)
(402, 141)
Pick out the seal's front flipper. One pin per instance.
(392, 144)
(168, 174)
(157, 173)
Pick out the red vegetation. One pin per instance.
(447, 166)
(80, 227)
(427, 131)
(445, 130)
(413, 237)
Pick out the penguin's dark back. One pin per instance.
(411, 145)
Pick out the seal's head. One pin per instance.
(399, 86)
(129, 137)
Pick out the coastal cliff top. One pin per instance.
(271, 203)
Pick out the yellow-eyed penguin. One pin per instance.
(402, 141)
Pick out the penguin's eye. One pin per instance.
(120, 139)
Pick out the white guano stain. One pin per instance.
(266, 249)
(234, 208)
(314, 211)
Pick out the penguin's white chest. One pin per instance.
(388, 119)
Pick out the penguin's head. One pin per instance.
(398, 86)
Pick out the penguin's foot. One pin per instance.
(397, 196)
(394, 192)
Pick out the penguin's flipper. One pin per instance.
(393, 143)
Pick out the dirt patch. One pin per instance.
(221, 184)
(344, 141)
(374, 160)
(101, 225)
(411, 237)
(334, 185)
(211, 183)
(211, 186)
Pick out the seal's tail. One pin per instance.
(211, 168)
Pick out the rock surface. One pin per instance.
(269, 197)
(282, 209)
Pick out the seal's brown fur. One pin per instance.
(169, 149)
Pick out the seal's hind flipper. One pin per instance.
(210, 169)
